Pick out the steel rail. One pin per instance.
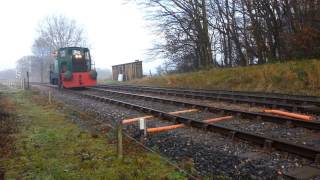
(242, 114)
(311, 99)
(267, 142)
(301, 107)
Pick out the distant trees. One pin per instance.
(30, 64)
(104, 73)
(204, 33)
(8, 74)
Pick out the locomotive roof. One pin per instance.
(72, 48)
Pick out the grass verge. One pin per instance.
(294, 77)
(49, 146)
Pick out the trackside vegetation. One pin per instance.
(294, 77)
(49, 146)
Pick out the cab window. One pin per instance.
(87, 55)
(62, 53)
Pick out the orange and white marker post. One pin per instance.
(143, 126)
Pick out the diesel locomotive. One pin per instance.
(73, 68)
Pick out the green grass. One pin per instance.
(49, 146)
(294, 77)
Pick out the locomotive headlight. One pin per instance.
(78, 56)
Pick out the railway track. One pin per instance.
(229, 92)
(241, 114)
(267, 142)
(305, 104)
(261, 140)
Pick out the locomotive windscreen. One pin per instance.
(80, 61)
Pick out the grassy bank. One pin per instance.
(49, 146)
(295, 77)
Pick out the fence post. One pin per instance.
(119, 137)
(24, 84)
(28, 85)
(50, 98)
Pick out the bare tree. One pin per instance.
(55, 31)
(184, 26)
(198, 33)
(58, 31)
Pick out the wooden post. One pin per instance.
(119, 137)
(50, 101)
(28, 85)
(41, 70)
(24, 84)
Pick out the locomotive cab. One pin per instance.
(73, 68)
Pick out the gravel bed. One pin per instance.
(211, 153)
(296, 135)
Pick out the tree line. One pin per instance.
(201, 34)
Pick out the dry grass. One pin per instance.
(7, 126)
(294, 77)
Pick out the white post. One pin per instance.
(143, 126)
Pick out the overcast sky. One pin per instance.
(116, 31)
